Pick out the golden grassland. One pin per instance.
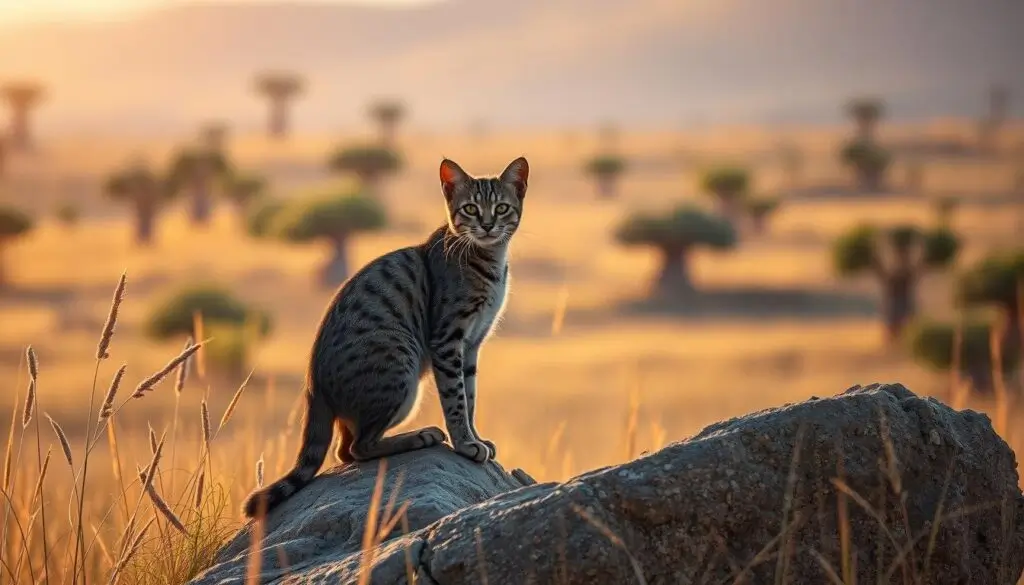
(571, 381)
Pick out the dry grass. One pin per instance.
(598, 386)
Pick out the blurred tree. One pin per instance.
(334, 219)
(213, 135)
(229, 350)
(729, 185)
(67, 213)
(935, 345)
(197, 170)
(14, 223)
(175, 314)
(992, 124)
(869, 162)
(387, 114)
(997, 281)
(21, 97)
(865, 111)
(945, 210)
(242, 189)
(139, 186)
(675, 234)
(606, 170)
(280, 87)
(368, 163)
(760, 209)
(261, 215)
(897, 256)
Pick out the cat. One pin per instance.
(409, 312)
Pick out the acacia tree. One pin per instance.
(898, 257)
(280, 88)
(997, 281)
(606, 170)
(869, 163)
(22, 97)
(942, 347)
(138, 186)
(729, 185)
(242, 189)
(866, 112)
(675, 234)
(13, 225)
(760, 210)
(368, 163)
(197, 171)
(945, 208)
(334, 219)
(213, 135)
(993, 123)
(387, 114)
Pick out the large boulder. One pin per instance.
(875, 484)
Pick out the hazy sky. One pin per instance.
(28, 10)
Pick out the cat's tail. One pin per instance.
(317, 433)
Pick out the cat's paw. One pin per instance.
(431, 436)
(490, 447)
(473, 450)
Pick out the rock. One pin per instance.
(929, 496)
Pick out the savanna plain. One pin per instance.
(581, 373)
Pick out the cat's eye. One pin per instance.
(470, 209)
(501, 208)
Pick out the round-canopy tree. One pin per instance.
(729, 185)
(242, 189)
(606, 170)
(279, 87)
(146, 192)
(175, 315)
(13, 224)
(368, 163)
(387, 114)
(196, 171)
(334, 219)
(760, 210)
(675, 234)
(21, 97)
(261, 216)
(935, 345)
(865, 111)
(898, 257)
(869, 163)
(997, 281)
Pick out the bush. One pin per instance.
(175, 315)
(14, 222)
(365, 161)
(727, 180)
(932, 344)
(605, 165)
(67, 213)
(229, 348)
(328, 217)
(261, 215)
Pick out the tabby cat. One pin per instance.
(410, 311)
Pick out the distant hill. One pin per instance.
(524, 62)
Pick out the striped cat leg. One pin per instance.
(447, 361)
(469, 375)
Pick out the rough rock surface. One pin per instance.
(929, 496)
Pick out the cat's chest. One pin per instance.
(486, 306)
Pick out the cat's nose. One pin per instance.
(487, 228)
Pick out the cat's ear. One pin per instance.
(517, 173)
(451, 175)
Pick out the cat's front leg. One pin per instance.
(469, 374)
(448, 361)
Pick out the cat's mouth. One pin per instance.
(489, 239)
